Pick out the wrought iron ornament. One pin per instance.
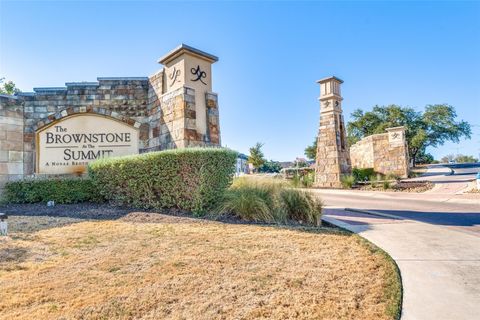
(174, 75)
(199, 73)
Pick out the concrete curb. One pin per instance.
(338, 223)
(375, 213)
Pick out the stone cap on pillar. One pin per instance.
(329, 78)
(182, 49)
(330, 88)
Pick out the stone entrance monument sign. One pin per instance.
(58, 130)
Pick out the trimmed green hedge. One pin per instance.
(191, 179)
(60, 190)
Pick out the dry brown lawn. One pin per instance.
(152, 266)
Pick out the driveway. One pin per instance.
(451, 178)
(434, 238)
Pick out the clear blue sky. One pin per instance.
(271, 54)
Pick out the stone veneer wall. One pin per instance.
(384, 156)
(11, 139)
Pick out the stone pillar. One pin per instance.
(333, 158)
(189, 108)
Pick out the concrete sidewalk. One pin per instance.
(440, 267)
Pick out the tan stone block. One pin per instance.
(190, 134)
(178, 134)
(15, 156)
(28, 146)
(3, 181)
(14, 135)
(11, 145)
(191, 124)
(211, 103)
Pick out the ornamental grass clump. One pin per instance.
(301, 206)
(250, 203)
(347, 181)
(271, 201)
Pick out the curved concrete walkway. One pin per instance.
(440, 266)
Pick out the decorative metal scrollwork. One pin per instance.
(174, 75)
(199, 73)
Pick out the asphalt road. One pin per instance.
(428, 207)
(460, 173)
(461, 216)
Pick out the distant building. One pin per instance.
(242, 165)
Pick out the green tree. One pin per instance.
(300, 163)
(256, 157)
(8, 87)
(424, 158)
(465, 159)
(311, 151)
(270, 167)
(448, 158)
(432, 128)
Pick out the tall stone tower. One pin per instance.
(333, 158)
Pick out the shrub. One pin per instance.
(289, 173)
(60, 190)
(306, 180)
(392, 176)
(347, 181)
(296, 181)
(363, 174)
(386, 184)
(270, 200)
(189, 179)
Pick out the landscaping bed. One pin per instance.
(399, 186)
(155, 266)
